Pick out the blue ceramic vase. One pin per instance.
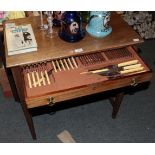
(98, 25)
(71, 27)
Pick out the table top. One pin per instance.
(51, 48)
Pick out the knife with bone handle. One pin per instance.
(27, 70)
(42, 74)
(70, 63)
(127, 63)
(33, 76)
(113, 71)
(74, 62)
(29, 80)
(44, 66)
(58, 65)
(66, 64)
(121, 66)
(54, 66)
(131, 70)
(36, 71)
(62, 64)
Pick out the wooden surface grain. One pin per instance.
(121, 36)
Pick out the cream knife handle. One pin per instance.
(58, 65)
(95, 71)
(66, 64)
(33, 78)
(127, 63)
(100, 70)
(75, 64)
(70, 63)
(47, 77)
(132, 66)
(38, 80)
(29, 80)
(54, 66)
(42, 76)
(131, 70)
(62, 65)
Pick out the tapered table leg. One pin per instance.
(29, 120)
(116, 102)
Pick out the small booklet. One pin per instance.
(20, 39)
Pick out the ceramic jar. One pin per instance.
(98, 25)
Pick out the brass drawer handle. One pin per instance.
(51, 101)
(134, 82)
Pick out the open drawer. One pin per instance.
(47, 83)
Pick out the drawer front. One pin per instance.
(54, 98)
